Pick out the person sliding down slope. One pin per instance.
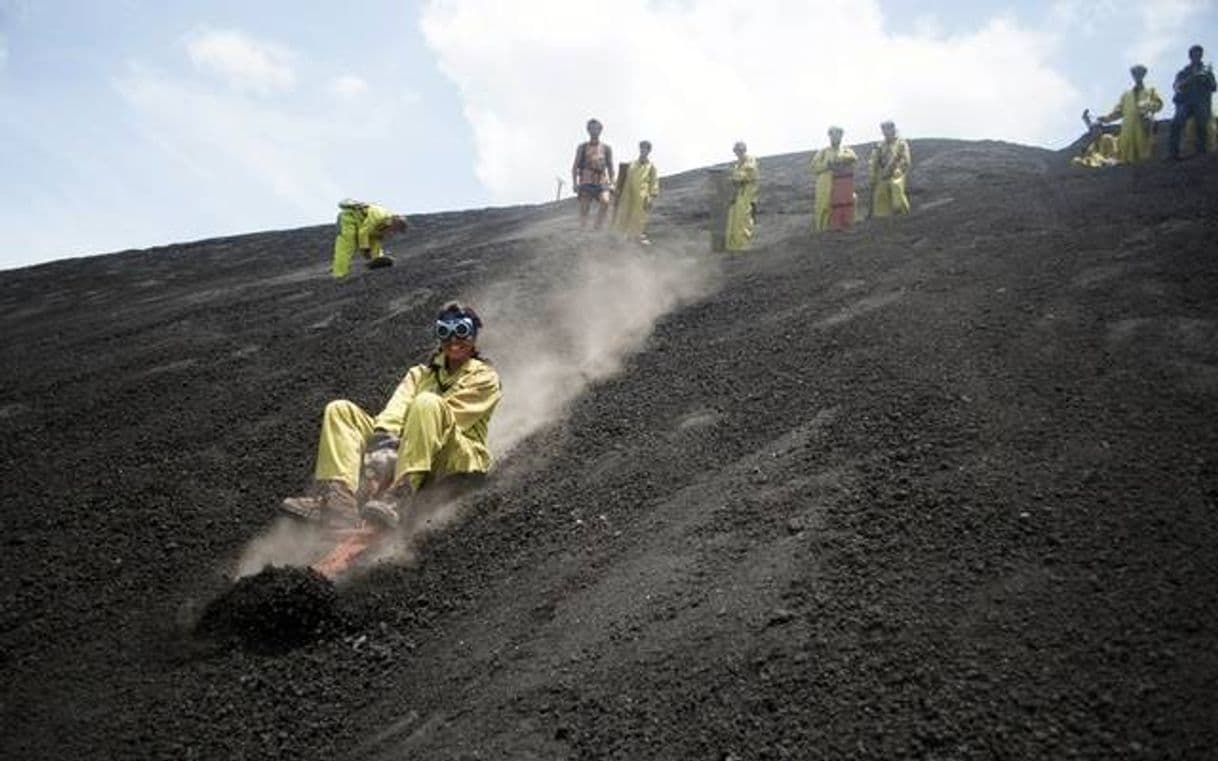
(436, 421)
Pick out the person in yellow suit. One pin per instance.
(1211, 138)
(1136, 112)
(890, 162)
(738, 231)
(1101, 150)
(364, 226)
(640, 187)
(436, 422)
(836, 157)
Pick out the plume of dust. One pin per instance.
(286, 542)
(553, 335)
(567, 324)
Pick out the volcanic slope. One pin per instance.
(939, 487)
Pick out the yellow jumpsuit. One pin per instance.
(441, 418)
(888, 166)
(639, 189)
(1211, 137)
(738, 231)
(823, 164)
(1103, 151)
(1136, 110)
(360, 225)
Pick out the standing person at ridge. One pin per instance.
(1194, 88)
(835, 158)
(436, 421)
(889, 163)
(640, 187)
(363, 226)
(592, 175)
(1136, 111)
(741, 214)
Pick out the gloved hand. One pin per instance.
(382, 440)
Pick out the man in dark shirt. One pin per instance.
(1194, 89)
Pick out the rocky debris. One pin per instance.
(274, 610)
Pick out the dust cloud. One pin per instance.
(596, 307)
(286, 542)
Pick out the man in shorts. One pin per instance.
(592, 175)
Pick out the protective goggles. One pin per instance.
(461, 327)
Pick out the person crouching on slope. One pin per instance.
(1101, 149)
(436, 421)
(363, 226)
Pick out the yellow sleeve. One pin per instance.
(745, 174)
(653, 183)
(903, 159)
(374, 219)
(393, 417)
(820, 162)
(1156, 102)
(873, 162)
(474, 397)
(1116, 111)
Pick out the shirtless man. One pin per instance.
(592, 175)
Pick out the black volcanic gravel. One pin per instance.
(942, 487)
(273, 610)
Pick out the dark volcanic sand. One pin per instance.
(942, 487)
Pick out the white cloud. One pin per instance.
(247, 64)
(348, 86)
(1163, 24)
(226, 140)
(288, 159)
(695, 76)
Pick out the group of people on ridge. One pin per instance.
(1192, 94)
(888, 167)
(631, 196)
(593, 180)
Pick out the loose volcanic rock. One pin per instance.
(938, 487)
(273, 610)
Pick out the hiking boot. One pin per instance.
(385, 510)
(331, 503)
(377, 262)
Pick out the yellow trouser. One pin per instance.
(739, 227)
(889, 198)
(432, 444)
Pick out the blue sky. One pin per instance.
(127, 124)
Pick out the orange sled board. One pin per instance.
(841, 201)
(352, 545)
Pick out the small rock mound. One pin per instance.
(274, 610)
